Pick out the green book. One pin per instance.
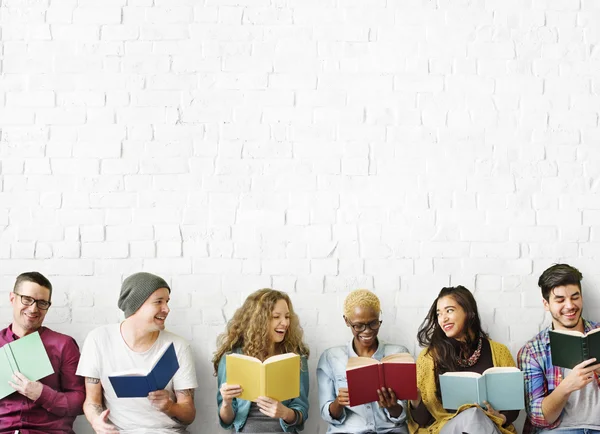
(569, 348)
(26, 355)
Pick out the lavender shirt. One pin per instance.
(62, 396)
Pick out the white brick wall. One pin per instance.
(311, 146)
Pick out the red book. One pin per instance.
(365, 375)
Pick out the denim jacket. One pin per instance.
(241, 407)
(360, 419)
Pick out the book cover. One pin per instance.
(569, 348)
(278, 377)
(365, 375)
(26, 355)
(137, 384)
(502, 387)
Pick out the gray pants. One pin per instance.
(471, 421)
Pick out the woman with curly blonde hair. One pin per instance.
(265, 325)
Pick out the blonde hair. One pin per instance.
(361, 298)
(248, 329)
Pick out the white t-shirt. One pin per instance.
(105, 352)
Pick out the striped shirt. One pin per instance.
(541, 377)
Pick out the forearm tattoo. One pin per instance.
(92, 380)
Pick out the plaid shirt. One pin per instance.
(541, 377)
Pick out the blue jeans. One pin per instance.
(570, 431)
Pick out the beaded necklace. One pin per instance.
(467, 363)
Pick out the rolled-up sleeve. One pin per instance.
(327, 390)
(300, 404)
(536, 388)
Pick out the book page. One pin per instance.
(569, 332)
(357, 362)
(244, 357)
(500, 369)
(462, 374)
(279, 357)
(398, 358)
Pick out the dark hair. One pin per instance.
(559, 275)
(35, 277)
(443, 350)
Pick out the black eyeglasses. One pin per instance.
(360, 326)
(28, 301)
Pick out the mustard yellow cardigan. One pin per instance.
(426, 382)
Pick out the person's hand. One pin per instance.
(161, 400)
(490, 410)
(228, 392)
(415, 402)
(581, 375)
(387, 399)
(30, 389)
(101, 424)
(273, 408)
(343, 397)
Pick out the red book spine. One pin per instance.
(381, 375)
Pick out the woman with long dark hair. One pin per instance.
(454, 341)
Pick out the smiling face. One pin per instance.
(27, 319)
(152, 314)
(451, 317)
(565, 304)
(280, 321)
(366, 339)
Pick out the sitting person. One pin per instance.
(135, 344)
(454, 341)
(361, 314)
(265, 325)
(52, 403)
(560, 400)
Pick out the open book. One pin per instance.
(570, 348)
(365, 375)
(138, 384)
(278, 377)
(502, 387)
(26, 355)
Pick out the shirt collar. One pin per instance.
(378, 355)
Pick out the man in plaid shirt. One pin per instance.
(560, 400)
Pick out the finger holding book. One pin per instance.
(27, 388)
(388, 400)
(491, 411)
(230, 391)
(275, 409)
(343, 398)
(161, 400)
(580, 376)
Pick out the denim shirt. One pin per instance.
(241, 407)
(360, 419)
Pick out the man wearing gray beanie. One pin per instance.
(136, 344)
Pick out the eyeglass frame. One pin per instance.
(35, 301)
(363, 325)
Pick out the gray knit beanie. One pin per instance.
(136, 289)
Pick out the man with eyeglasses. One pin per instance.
(51, 404)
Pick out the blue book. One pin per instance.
(135, 384)
(502, 387)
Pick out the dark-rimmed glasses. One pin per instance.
(28, 301)
(360, 326)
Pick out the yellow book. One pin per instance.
(278, 377)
